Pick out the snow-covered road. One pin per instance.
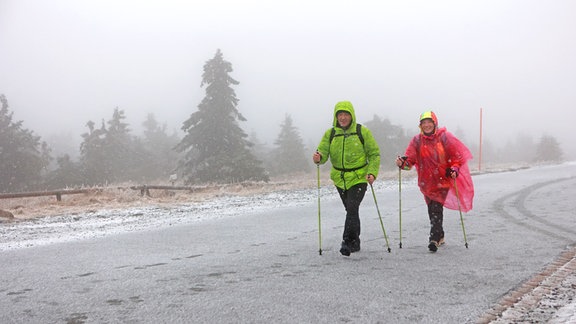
(255, 259)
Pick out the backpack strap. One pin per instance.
(358, 133)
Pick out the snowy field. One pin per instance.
(77, 226)
(255, 259)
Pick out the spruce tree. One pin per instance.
(390, 138)
(93, 160)
(119, 149)
(289, 153)
(67, 174)
(548, 150)
(161, 159)
(23, 158)
(110, 154)
(215, 148)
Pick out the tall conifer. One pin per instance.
(215, 148)
(23, 157)
(289, 153)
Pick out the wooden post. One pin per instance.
(480, 146)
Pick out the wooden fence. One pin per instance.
(144, 190)
(57, 193)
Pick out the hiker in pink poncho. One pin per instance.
(441, 161)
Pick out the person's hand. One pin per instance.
(370, 177)
(401, 161)
(316, 157)
(452, 172)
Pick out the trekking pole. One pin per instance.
(400, 204)
(319, 221)
(460, 210)
(380, 217)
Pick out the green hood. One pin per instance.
(351, 158)
(344, 106)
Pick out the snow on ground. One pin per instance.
(99, 222)
(43, 220)
(551, 300)
(68, 227)
(555, 295)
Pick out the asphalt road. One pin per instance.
(264, 266)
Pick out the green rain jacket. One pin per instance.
(351, 161)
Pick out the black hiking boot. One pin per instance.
(345, 249)
(433, 246)
(355, 245)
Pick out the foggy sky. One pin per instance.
(64, 62)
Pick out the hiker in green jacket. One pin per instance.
(355, 159)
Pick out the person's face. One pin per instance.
(427, 126)
(344, 119)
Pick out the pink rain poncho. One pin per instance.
(432, 155)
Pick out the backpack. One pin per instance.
(358, 132)
(360, 137)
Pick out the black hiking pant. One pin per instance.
(351, 199)
(436, 216)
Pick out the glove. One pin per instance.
(452, 171)
(405, 165)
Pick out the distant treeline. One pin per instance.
(213, 149)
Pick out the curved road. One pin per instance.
(264, 267)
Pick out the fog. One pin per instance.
(65, 62)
